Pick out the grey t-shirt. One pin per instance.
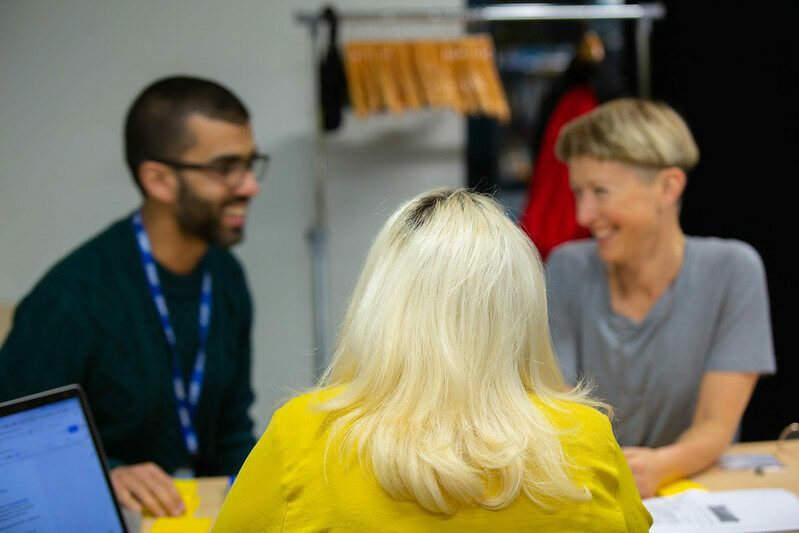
(714, 317)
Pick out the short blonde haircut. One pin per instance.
(639, 132)
(444, 341)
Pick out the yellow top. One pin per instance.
(285, 486)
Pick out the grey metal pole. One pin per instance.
(317, 233)
(643, 34)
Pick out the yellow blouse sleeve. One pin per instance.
(636, 516)
(257, 501)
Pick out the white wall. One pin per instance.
(68, 71)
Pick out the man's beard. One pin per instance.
(203, 219)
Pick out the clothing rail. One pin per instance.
(500, 12)
(642, 14)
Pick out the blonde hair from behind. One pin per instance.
(445, 340)
(629, 130)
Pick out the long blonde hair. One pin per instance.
(444, 341)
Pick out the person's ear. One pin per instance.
(158, 181)
(670, 184)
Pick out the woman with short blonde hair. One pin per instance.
(673, 330)
(628, 130)
(443, 407)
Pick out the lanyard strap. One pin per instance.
(186, 404)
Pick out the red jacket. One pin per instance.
(549, 217)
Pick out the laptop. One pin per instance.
(53, 473)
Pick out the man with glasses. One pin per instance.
(152, 316)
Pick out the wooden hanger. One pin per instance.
(447, 52)
(424, 55)
(486, 65)
(468, 84)
(353, 65)
(388, 82)
(374, 96)
(408, 75)
(480, 77)
(400, 75)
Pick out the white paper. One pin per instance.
(749, 461)
(698, 510)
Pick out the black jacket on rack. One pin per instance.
(333, 84)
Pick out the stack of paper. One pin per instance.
(737, 511)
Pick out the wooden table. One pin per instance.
(715, 478)
(212, 490)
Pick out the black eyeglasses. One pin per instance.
(231, 171)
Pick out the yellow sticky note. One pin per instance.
(678, 486)
(181, 525)
(191, 503)
(186, 486)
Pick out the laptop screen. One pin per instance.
(51, 477)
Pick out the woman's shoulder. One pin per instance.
(717, 248)
(299, 423)
(583, 250)
(584, 432)
(716, 255)
(304, 404)
(575, 418)
(574, 261)
(300, 413)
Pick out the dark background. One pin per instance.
(731, 70)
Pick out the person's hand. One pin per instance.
(647, 468)
(148, 485)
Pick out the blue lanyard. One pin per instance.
(186, 404)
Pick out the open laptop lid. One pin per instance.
(53, 473)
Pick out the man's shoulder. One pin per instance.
(82, 292)
(111, 244)
(90, 265)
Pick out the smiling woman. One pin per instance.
(629, 210)
(673, 330)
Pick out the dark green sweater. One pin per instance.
(91, 320)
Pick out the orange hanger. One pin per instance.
(484, 48)
(447, 72)
(407, 75)
(459, 74)
(353, 67)
(388, 82)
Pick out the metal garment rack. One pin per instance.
(642, 14)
